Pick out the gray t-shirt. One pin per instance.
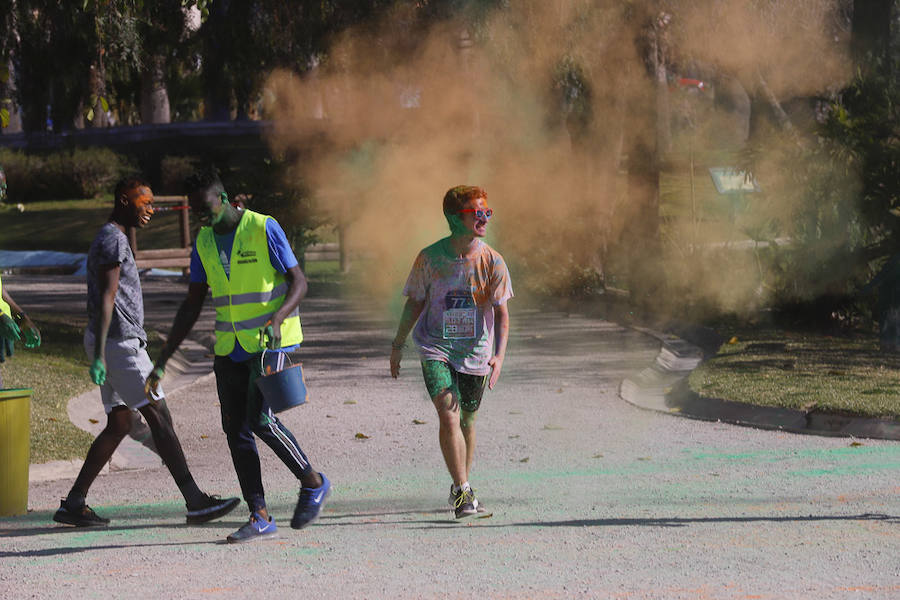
(108, 248)
(457, 323)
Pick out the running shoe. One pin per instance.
(310, 503)
(80, 516)
(255, 529)
(466, 504)
(455, 495)
(211, 507)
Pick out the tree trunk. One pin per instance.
(642, 229)
(154, 94)
(649, 133)
(784, 121)
(216, 81)
(8, 101)
(98, 92)
(659, 49)
(464, 45)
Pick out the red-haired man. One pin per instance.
(456, 300)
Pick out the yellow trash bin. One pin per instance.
(15, 451)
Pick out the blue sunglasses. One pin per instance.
(483, 214)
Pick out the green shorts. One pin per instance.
(440, 377)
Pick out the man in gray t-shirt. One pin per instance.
(456, 298)
(117, 344)
(111, 247)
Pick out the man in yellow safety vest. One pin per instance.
(244, 258)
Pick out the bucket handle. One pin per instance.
(262, 361)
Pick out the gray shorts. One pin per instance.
(127, 367)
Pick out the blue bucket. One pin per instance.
(283, 388)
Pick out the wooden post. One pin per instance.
(185, 218)
(343, 256)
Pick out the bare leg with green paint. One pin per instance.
(467, 425)
(458, 283)
(453, 444)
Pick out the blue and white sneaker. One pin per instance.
(256, 528)
(310, 503)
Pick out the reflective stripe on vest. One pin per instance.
(248, 299)
(4, 307)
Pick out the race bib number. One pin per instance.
(460, 314)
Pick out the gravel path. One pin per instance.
(591, 497)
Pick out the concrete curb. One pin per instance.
(663, 387)
(190, 363)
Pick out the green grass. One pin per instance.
(805, 371)
(57, 371)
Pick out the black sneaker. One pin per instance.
(83, 516)
(212, 507)
(309, 504)
(466, 504)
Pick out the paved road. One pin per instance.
(592, 497)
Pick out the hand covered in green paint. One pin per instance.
(8, 329)
(272, 341)
(31, 333)
(151, 386)
(98, 371)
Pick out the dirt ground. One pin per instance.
(591, 497)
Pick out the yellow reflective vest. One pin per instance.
(248, 299)
(4, 307)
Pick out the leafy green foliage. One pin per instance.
(57, 371)
(81, 173)
(864, 123)
(845, 186)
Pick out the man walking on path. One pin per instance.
(256, 282)
(456, 297)
(117, 343)
(13, 324)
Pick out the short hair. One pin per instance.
(202, 180)
(457, 197)
(128, 183)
